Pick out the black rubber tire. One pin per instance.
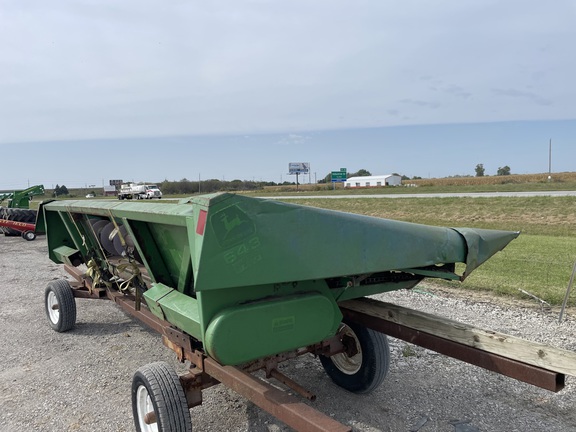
(373, 361)
(157, 386)
(28, 235)
(2, 216)
(18, 215)
(60, 305)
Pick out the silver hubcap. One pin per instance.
(144, 406)
(53, 308)
(345, 363)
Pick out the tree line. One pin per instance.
(186, 186)
(502, 171)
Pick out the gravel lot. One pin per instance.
(80, 380)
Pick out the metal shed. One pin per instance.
(374, 181)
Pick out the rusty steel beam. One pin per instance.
(128, 305)
(281, 405)
(536, 376)
(290, 383)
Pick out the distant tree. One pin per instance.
(360, 173)
(60, 190)
(416, 178)
(479, 170)
(503, 171)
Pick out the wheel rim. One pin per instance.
(345, 363)
(144, 406)
(53, 307)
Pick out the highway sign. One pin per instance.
(338, 176)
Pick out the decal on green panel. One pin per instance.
(283, 324)
(244, 255)
(231, 226)
(235, 233)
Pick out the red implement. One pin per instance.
(27, 229)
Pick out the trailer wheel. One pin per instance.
(60, 305)
(365, 363)
(158, 400)
(28, 235)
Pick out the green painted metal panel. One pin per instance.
(175, 307)
(247, 332)
(67, 255)
(153, 297)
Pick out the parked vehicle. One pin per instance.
(139, 191)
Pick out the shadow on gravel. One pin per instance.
(100, 329)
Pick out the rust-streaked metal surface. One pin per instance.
(539, 377)
(281, 405)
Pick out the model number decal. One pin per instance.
(244, 251)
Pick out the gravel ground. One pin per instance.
(80, 380)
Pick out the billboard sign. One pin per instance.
(298, 167)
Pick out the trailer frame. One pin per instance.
(205, 372)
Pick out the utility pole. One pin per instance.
(550, 160)
(550, 157)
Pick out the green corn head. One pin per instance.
(250, 277)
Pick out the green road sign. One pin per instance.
(338, 176)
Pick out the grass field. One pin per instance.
(510, 183)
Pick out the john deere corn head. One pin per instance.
(237, 284)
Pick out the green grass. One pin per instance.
(325, 189)
(540, 265)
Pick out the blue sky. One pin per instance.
(151, 90)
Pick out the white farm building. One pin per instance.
(374, 181)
